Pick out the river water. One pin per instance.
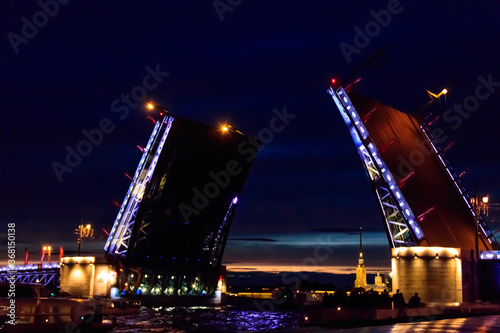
(205, 319)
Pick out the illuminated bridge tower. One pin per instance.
(421, 198)
(169, 235)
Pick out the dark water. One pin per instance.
(205, 319)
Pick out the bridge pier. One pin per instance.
(437, 274)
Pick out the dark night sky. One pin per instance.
(262, 55)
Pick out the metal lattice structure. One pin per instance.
(400, 223)
(120, 234)
(169, 235)
(45, 274)
(457, 183)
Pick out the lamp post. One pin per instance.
(486, 200)
(477, 211)
(83, 231)
(46, 249)
(156, 111)
(476, 225)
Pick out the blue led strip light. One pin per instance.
(122, 228)
(222, 233)
(390, 195)
(459, 186)
(139, 169)
(490, 255)
(30, 267)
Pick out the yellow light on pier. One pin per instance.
(150, 106)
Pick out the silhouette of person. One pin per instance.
(414, 301)
(398, 299)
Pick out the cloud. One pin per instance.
(348, 231)
(239, 269)
(253, 239)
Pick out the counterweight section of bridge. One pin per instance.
(169, 236)
(431, 188)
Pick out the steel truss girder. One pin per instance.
(44, 277)
(455, 179)
(144, 228)
(401, 226)
(395, 223)
(217, 243)
(120, 235)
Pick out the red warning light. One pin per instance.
(333, 81)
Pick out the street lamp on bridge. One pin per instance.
(485, 202)
(477, 211)
(83, 231)
(46, 250)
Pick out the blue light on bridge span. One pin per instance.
(28, 267)
(343, 103)
(490, 255)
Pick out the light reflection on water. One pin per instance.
(486, 324)
(204, 319)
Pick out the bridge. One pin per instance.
(420, 196)
(169, 236)
(434, 232)
(47, 274)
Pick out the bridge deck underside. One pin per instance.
(445, 218)
(182, 214)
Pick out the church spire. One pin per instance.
(360, 245)
(360, 281)
(360, 239)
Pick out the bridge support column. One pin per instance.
(435, 273)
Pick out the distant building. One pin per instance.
(378, 286)
(360, 281)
